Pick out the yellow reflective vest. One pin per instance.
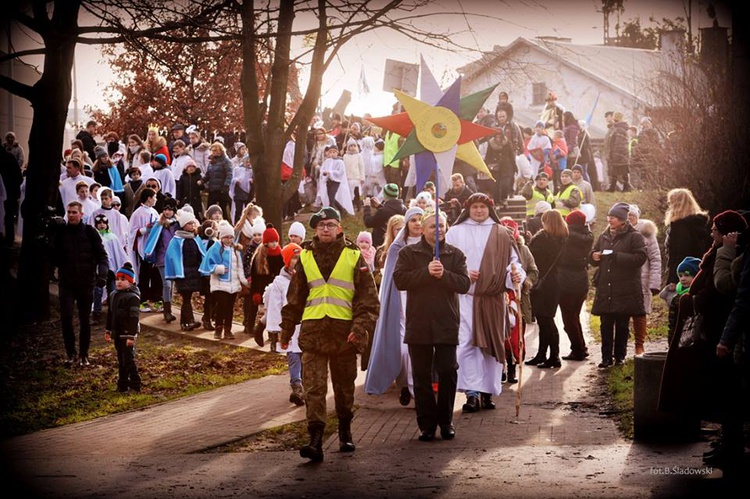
(332, 298)
(565, 194)
(537, 196)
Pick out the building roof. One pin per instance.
(623, 69)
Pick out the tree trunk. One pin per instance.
(50, 99)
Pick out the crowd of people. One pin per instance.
(436, 296)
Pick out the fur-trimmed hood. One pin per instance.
(647, 228)
(157, 144)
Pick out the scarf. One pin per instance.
(247, 229)
(489, 312)
(681, 290)
(274, 251)
(115, 180)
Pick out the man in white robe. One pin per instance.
(480, 368)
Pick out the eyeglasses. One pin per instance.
(152, 186)
(328, 226)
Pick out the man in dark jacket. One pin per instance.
(334, 298)
(378, 221)
(618, 159)
(82, 263)
(87, 137)
(619, 254)
(432, 321)
(456, 197)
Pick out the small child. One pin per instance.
(364, 242)
(87, 205)
(250, 309)
(223, 263)
(116, 258)
(207, 235)
(123, 327)
(333, 177)
(355, 172)
(181, 262)
(686, 271)
(297, 233)
(275, 299)
(559, 150)
(265, 265)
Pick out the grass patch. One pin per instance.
(620, 387)
(39, 392)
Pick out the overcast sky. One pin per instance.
(575, 19)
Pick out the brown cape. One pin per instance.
(489, 295)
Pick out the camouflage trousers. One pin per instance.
(315, 380)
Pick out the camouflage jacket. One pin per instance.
(329, 335)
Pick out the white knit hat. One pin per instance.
(297, 229)
(225, 229)
(184, 217)
(259, 226)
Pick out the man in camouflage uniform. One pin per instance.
(333, 296)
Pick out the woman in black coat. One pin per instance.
(573, 272)
(619, 253)
(687, 231)
(548, 246)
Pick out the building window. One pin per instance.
(539, 94)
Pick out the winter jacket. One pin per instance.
(651, 270)
(546, 297)
(328, 335)
(189, 192)
(689, 236)
(618, 277)
(123, 313)
(79, 255)
(432, 312)
(378, 221)
(218, 175)
(274, 297)
(191, 257)
(617, 161)
(258, 282)
(201, 154)
(233, 277)
(574, 263)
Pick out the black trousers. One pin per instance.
(549, 336)
(186, 309)
(224, 303)
(82, 297)
(615, 331)
(127, 371)
(441, 358)
(149, 281)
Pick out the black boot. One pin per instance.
(472, 404)
(273, 338)
(487, 402)
(314, 450)
(345, 436)
(207, 323)
(258, 333)
(217, 332)
(512, 373)
(168, 312)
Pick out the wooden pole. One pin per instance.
(520, 343)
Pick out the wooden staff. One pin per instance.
(520, 342)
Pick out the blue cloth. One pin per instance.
(173, 263)
(149, 251)
(115, 180)
(217, 255)
(385, 357)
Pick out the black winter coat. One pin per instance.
(618, 150)
(618, 278)
(189, 192)
(79, 255)
(191, 260)
(689, 236)
(123, 313)
(546, 297)
(574, 262)
(218, 175)
(432, 314)
(379, 220)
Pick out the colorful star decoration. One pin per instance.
(439, 134)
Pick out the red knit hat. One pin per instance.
(290, 251)
(576, 217)
(270, 235)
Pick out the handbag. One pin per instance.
(540, 282)
(691, 332)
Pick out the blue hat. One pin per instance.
(689, 265)
(161, 159)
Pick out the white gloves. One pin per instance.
(220, 270)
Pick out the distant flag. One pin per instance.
(591, 113)
(364, 88)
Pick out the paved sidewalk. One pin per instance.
(559, 446)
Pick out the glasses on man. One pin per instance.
(328, 226)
